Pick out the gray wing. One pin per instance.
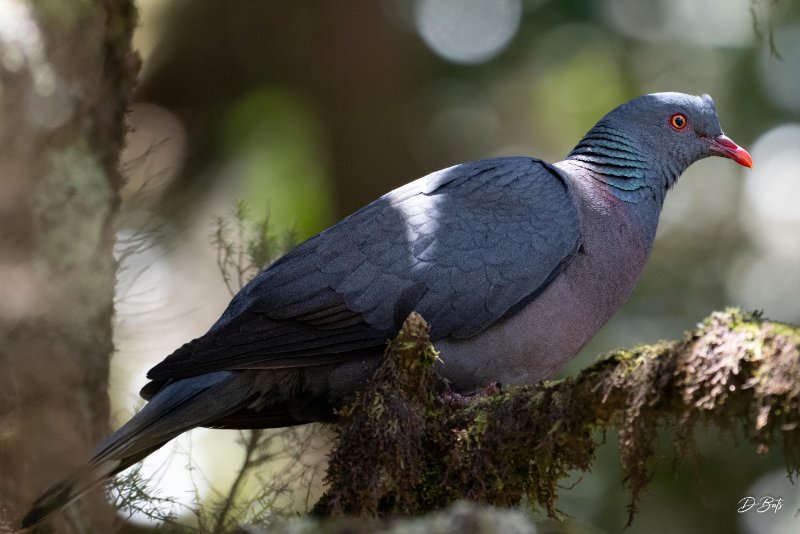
(463, 246)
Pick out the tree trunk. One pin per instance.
(66, 76)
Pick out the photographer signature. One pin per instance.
(764, 504)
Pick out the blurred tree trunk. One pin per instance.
(66, 75)
(358, 68)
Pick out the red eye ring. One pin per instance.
(678, 121)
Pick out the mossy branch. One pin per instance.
(405, 447)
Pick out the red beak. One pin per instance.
(722, 145)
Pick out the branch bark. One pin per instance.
(736, 370)
(65, 82)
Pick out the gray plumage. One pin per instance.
(514, 262)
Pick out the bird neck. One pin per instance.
(616, 159)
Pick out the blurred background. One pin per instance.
(309, 110)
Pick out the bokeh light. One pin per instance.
(274, 160)
(577, 56)
(770, 207)
(468, 31)
(776, 485)
(724, 23)
(154, 151)
(766, 275)
(154, 314)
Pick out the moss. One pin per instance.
(737, 371)
(789, 331)
(387, 424)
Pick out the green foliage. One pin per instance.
(246, 246)
(131, 493)
(275, 468)
(275, 465)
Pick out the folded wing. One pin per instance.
(464, 247)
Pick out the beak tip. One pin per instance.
(726, 147)
(743, 158)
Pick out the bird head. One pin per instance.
(649, 141)
(676, 127)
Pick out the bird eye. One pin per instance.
(678, 121)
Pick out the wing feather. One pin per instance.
(463, 247)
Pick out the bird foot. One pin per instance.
(452, 397)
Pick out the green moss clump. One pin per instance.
(406, 448)
(382, 448)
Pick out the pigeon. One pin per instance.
(514, 262)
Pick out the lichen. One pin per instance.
(77, 189)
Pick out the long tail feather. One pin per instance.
(178, 407)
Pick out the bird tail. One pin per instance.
(178, 407)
